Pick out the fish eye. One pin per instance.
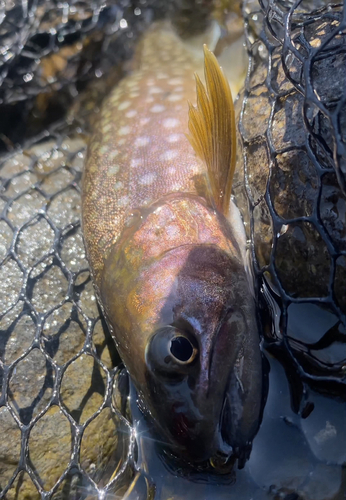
(171, 351)
(182, 349)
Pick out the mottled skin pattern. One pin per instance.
(139, 152)
(167, 265)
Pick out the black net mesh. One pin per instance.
(64, 419)
(292, 137)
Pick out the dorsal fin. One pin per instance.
(212, 130)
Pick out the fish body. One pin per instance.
(168, 253)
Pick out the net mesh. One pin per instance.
(292, 193)
(63, 406)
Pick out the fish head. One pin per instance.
(186, 321)
(203, 363)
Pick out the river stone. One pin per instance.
(51, 334)
(286, 186)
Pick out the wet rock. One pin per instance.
(309, 261)
(5, 239)
(31, 385)
(9, 452)
(288, 183)
(288, 124)
(258, 103)
(64, 333)
(108, 435)
(50, 456)
(65, 208)
(263, 232)
(11, 279)
(294, 190)
(339, 282)
(50, 289)
(23, 488)
(35, 242)
(72, 252)
(26, 207)
(48, 318)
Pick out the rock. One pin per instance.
(57, 355)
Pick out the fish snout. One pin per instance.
(242, 409)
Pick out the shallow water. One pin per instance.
(292, 458)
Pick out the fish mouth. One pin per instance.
(234, 443)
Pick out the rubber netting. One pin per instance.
(65, 428)
(292, 135)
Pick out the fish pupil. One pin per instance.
(181, 349)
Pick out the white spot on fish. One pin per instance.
(158, 108)
(118, 185)
(175, 97)
(155, 90)
(169, 155)
(136, 162)
(179, 89)
(132, 84)
(150, 99)
(175, 81)
(161, 76)
(104, 149)
(121, 142)
(123, 201)
(171, 170)
(114, 169)
(134, 94)
(131, 113)
(170, 122)
(107, 128)
(124, 105)
(113, 154)
(124, 130)
(144, 121)
(174, 137)
(147, 179)
(142, 141)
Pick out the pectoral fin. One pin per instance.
(212, 130)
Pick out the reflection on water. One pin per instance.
(292, 458)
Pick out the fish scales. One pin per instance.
(167, 251)
(141, 138)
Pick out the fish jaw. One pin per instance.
(192, 285)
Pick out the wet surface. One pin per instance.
(64, 402)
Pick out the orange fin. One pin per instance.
(212, 131)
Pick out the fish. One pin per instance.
(167, 251)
